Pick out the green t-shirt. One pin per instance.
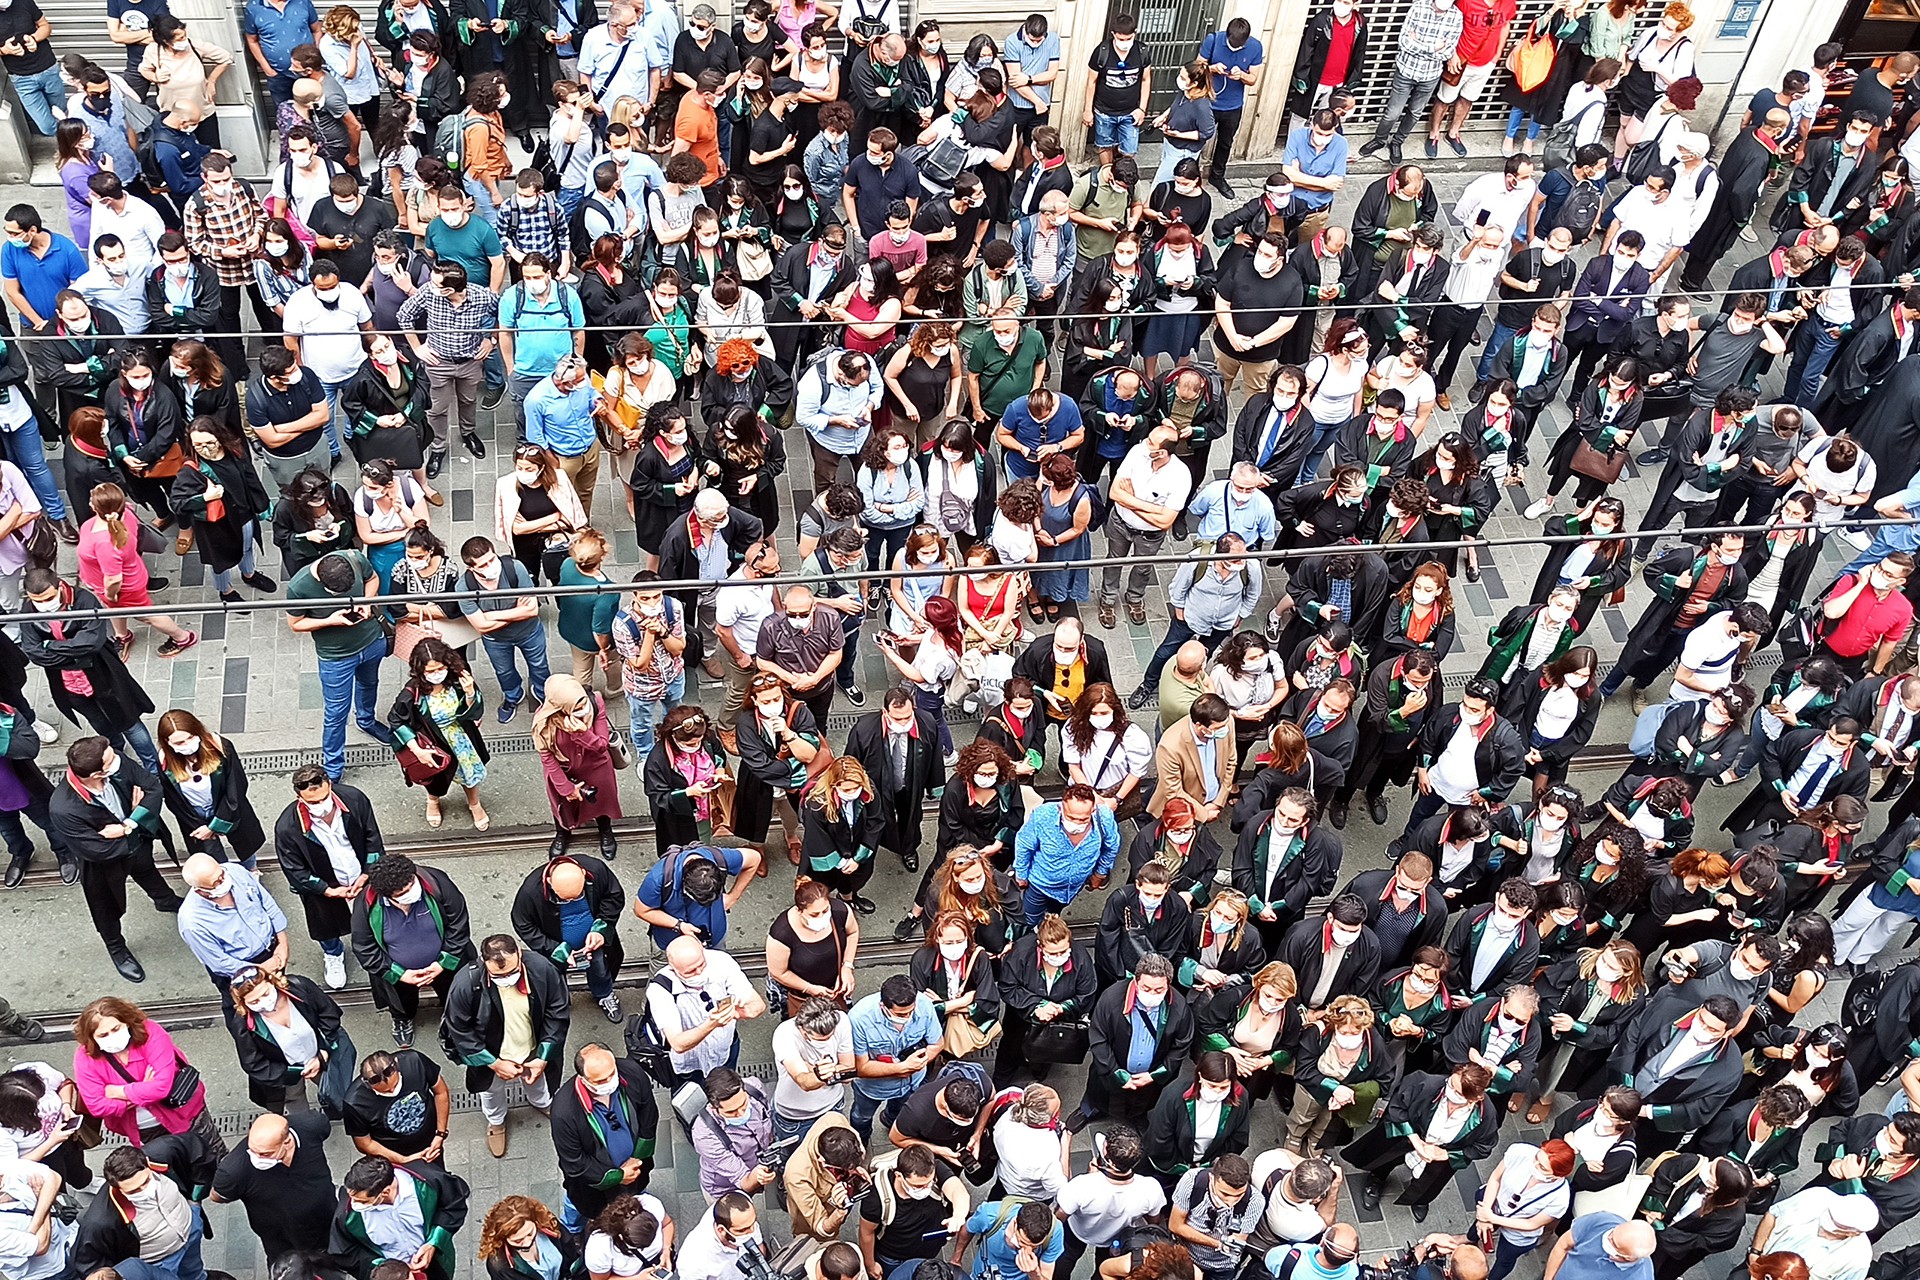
(471, 246)
(584, 618)
(1005, 376)
(334, 643)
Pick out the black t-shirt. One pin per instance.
(689, 59)
(921, 1119)
(404, 1122)
(937, 215)
(1518, 305)
(1117, 90)
(765, 134)
(918, 1229)
(18, 20)
(1869, 95)
(294, 1200)
(363, 224)
(767, 46)
(1257, 302)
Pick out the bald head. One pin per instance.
(687, 956)
(267, 1137)
(1342, 1238)
(202, 871)
(799, 599)
(567, 881)
(1189, 658)
(1630, 1241)
(597, 1066)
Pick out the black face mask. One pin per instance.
(100, 103)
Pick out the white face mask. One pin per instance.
(1184, 836)
(1424, 597)
(1559, 613)
(266, 1000)
(918, 1193)
(973, 887)
(1608, 971)
(1421, 986)
(1345, 937)
(1073, 828)
(504, 980)
(114, 1041)
(1101, 720)
(1350, 1039)
(1552, 822)
(186, 748)
(1715, 716)
(260, 1162)
(408, 896)
(1150, 999)
(605, 1090)
(953, 951)
(1056, 960)
(1577, 679)
(1065, 657)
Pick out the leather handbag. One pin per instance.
(1590, 462)
(1062, 1040)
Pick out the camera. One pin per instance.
(588, 791)
(788, 1262)
(1400, 1265)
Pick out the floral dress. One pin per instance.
(443, 707)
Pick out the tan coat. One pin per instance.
(809, 1183)
(1176, 760)
(506, 508)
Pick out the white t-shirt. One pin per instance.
(1708, 653)
(309, 185)
(20, 1184)
(682, 1008)
(744, 605)
(1167, 487)
(601, 1257)
(1107, 762)
(1454, 776)
(1099, 1211)
(1029, 1158)
(790, 1100)
(14, 1143)
(329, 336)
(1289, 1221)
(1828, 484)
(139, 228)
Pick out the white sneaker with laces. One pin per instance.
(1537, 508)
(46, 732)
(336, 967)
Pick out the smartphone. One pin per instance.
(723, 1005)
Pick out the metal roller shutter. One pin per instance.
(80, 26)
(961, 20)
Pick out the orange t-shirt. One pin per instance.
(696, 125)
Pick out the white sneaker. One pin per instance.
(1538, 507)
(46, 732)
(1749, 235)
(1858, 538)
(336, 970)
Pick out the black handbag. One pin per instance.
(1062, 1040)
(186, 1080)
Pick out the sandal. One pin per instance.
(1539, 1111)
(1516, 1102)
(1053, 611)
(480, 819)
(434, 816)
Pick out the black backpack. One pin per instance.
(1862, 1000)
(577, 238)
(1580, 210)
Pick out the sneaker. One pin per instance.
(1538, 507)
(1433, 148)
(1395, 154)
(403, 1032)
(174, 648)
(46, 732)
(378, 732)
(1372, 146)
(25, 1028)
(1650, 457)
(1748, 234)
(1139, 698)
(910, 929)
(336, 970)
(491, 397)
(855, 695)
(507, 711)
(1459, 147)
(1857, 538)
(610, 1005)
(260, 582)
(1639, 700)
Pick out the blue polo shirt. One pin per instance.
(279, 31)
(43, 277)
(542, 330)
(1228, 94)
(1032, 433)
(655, 892)
(1033, 61)
(1319, 164)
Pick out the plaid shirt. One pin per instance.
(648, 684)
(211, 227)
(452, 332)
(1427, 40)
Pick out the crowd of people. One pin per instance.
(678, 253)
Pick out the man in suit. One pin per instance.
(1803, 768)
(1868, 358)
(1606, 298)
(506, 1019)
(1851, 294)
(569, 910)
(1684, 1070)
(1405, 907)
(1195, 759)
(1274, 429)
(899, 747)
(1333, 956)
(682, 560)
(408, 1213)
(105, 811)
(1283, 861)
(799, 295)
(605, 1123)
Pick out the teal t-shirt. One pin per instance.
(471, 246)
(334, 643)
(584, 618)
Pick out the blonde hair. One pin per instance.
(341, 21)
(1279, 975)
(1348, 1013)
(1681, 13)
(843, 769)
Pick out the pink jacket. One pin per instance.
(158, 1056)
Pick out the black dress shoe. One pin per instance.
(910, 860)
(1370, 1194)
(436, 462)
(864, 905)
(129, 967)
(475, 445)
(557, 847)
(1337, 815)
(1377, 810)
(69, 870)
(170, 906)
(16, 872)
(609, 847)
(159, 584)
(1079, 1119)
(1419, 1212)
(68, 531)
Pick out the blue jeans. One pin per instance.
(140, 742)
(39, 93)
(333, 947)
(1501, 333)
(1323, 432)
(343, 683)
(500, 653)
(493, 371)
(1178, 633)
(570, 198)
(1514, 117)
(1037, 902)
(864, 1109)
(1118, 132)
(223, 578)
(1813, 348)
(850, 624)
(483, 205)
(334, 390)
(644, 717)
(28, 452)
(183, 1265)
